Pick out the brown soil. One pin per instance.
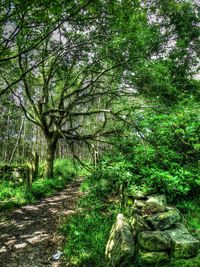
(29, 236)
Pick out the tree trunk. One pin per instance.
(50, 156)
(18, 140)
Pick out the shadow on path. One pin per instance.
(28, 238)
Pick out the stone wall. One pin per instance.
(152, 234)
(17, 174)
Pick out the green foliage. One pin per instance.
(159, 79)
(87, 234)
(112, 174)
(171, 141)
(46, 187)
(88, 230)
(190, 208)
(161, 151)
(155, 80)
(63, 174)
(68, 168)
(63, 167)
(14, 194)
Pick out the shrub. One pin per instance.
(111, 176)
(64, 168)
(162, 152)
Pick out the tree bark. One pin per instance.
(50, 156)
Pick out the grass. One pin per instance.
(88, 230)
(14, 194)
(190, 209)
(87, 235)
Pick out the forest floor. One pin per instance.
(29, 235)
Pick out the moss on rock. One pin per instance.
(154, 241)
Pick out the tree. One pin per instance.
(75, 74)
(29, 23)
(60, 93)
(169, 75)
(83, 57)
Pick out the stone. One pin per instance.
(168, 208)
(152, 208)
(139, 224)
(136, 194)
(164, 220)
(139, 204)
(184, 245)
(146, 258)
(121, 243)
(133, 211)
(158, 199)
(154, 240)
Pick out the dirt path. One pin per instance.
(28, 237)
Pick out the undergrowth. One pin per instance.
(190, 208)
(88, 230)
(161, 156)
(17, 194)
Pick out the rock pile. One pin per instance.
(152, 235)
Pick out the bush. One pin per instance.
(190, 208)
(167, 157)
(63, 174)
(162, 153)
(111, 176)
(64, 168)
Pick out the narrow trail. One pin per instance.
(28, 238)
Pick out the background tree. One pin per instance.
(76, 77)
(80, 58)
(29, 23)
